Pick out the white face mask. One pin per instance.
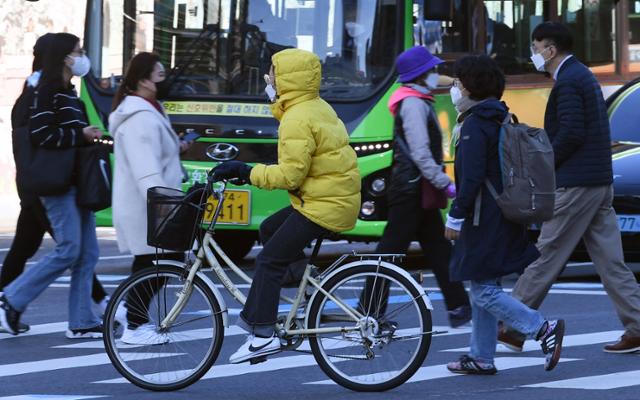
(81, 65)
(456, 95)
(539, 61)
(432, 81)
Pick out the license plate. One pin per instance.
(629, 223)
(236, 209)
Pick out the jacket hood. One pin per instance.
(490, 109)
(130, 106)
(402, 93)
(298, 74)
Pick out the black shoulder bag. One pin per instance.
(93, 176)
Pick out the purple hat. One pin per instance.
(414, 62)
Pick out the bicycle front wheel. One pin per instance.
(162, 359)
(392, 336)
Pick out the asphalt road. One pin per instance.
(44, 364)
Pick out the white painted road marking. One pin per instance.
(596, 382)
(50, 397)
(582, 339)
(42, 329)
(54, 364)
(440, 371)
(274, 363)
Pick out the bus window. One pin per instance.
(634, 36)
(224, 47)
(502, 29)
(499, 28)
(114, 19)
(112, 39)
(591, 23)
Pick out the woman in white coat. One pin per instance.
(147, 154)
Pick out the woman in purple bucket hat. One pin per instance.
(417, 166)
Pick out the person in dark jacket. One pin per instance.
(485, 251)
(32, 221)
(58, 121)
(418, 155)
(578, 126)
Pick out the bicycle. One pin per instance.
(361, 337)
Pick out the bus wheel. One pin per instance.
(236, 244)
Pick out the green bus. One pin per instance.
(219, 50)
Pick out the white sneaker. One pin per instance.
(145, 335)
(99, 308)
(255, 347)
(121, 315)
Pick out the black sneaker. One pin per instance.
(87, 333)
(22, 328)
(468, 366)
(550, 339)
(9, 317)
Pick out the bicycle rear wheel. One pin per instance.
(156, 359)
(395, 332)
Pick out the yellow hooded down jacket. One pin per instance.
(315, 162)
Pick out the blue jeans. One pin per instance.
(76, 249)
(489, 303)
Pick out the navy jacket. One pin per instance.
(497, 246)
(578, 126)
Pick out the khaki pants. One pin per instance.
(583, 212)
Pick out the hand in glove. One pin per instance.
(451, 190)
(233, 170)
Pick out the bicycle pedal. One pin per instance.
(258, 360)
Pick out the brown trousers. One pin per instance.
(587, 213)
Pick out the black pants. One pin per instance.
(285, 234)
(30, 229)
(408, 221)
(140, 297)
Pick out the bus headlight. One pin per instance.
(378, 185)
(368, 208)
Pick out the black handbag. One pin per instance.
(93, 177)
(42, 171)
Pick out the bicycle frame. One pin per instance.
(208, 250)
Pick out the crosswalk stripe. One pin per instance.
(30, 367)
(226, 370)
(42, 329)
(440, 371)
(195, 334)
(235, 330)
(50, 397)
(582, 339)
(274, 364)
(596, 382)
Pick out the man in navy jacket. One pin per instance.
(578, 126)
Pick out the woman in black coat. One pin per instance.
(490, 246)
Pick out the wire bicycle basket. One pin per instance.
(173, 216)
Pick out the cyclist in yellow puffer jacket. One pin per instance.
(317, 166)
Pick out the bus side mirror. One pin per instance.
(438, 10)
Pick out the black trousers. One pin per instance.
(408, 221)
(284, 235)
(139, 298)
(30, 229)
